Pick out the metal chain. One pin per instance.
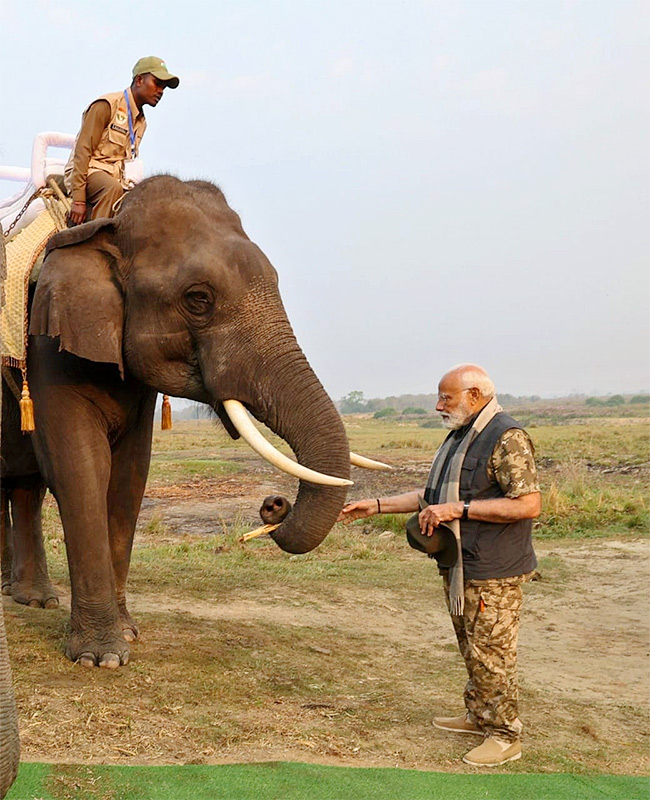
(22, 211)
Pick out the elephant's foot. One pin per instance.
(130, 629)
(35, 595)
(106, 649)
(6, 587)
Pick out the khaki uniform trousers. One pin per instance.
(487, 635)
(102, 192)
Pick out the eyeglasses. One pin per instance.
(445, 398)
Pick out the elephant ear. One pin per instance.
(78, 295)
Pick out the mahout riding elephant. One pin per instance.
(169, 296)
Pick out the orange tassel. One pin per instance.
(26, 410)
(166, 414)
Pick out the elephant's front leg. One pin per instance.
(130, 467)
(30, 582)
(79, 469)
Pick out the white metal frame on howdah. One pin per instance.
(33, 178)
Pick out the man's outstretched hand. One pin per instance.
(359, 509)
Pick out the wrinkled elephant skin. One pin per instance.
(9, 741)
(170, 296)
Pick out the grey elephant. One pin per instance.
(9, 742)
(169, 296)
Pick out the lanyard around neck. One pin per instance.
(131, 132)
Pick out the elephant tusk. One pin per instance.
(241, 420)
(367, 463)
(264, 529)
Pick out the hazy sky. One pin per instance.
(435, 181)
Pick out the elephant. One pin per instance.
(170, 296)
(9, 741)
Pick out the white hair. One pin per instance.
(472, 376)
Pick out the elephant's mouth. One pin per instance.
(220, 411)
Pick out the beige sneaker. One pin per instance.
(460, 724)
(493, 752)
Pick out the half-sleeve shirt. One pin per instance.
(512, 464)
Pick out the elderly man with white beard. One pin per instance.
(482, 486)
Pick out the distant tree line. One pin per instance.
(617, 400)
(194, 411)
(356, 403)
(422, 404)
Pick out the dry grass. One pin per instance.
(344, 654)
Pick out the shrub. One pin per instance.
(412, 410)
(615, 400)
(594, 401)
(384, 412)
(640, 398)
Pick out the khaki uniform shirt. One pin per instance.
(103, 143)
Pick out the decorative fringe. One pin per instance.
(10, 361)
(456, 605)
(26, 410)
(166, 414)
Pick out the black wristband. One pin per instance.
(378, 506)
(466, 509)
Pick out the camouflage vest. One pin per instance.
(491, 549)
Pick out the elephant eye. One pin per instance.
(199, 300)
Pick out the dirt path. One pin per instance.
(592, 645)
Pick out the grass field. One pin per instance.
(343, 655)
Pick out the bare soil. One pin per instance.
(347, 678)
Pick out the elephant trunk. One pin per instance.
(279, 387)
(308, 421)
(9, 742)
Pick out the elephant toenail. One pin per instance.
(34, 604)
(110, 661)
(87, 660)
(52, 602)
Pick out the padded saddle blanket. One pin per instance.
(23, 252)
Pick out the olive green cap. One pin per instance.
(158, 68)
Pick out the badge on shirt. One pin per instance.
(120, 117)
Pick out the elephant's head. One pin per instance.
(173, 292)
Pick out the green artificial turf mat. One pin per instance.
(294, 781)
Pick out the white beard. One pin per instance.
(456, 419)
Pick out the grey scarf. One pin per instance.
(450, 493)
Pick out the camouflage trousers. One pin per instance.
(487, 635)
